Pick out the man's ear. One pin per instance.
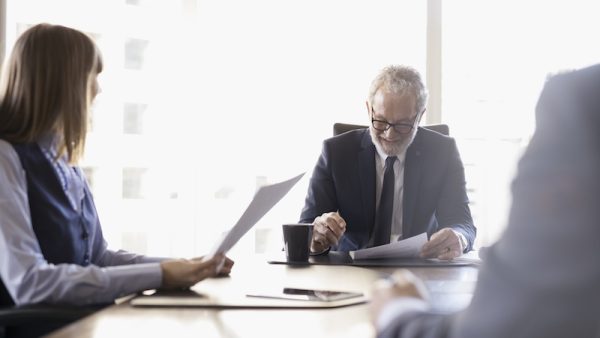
(368, 108)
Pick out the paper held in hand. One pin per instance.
(406, 248)
(264, 199)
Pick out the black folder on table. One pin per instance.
(343, 258)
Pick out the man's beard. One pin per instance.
(396, 148)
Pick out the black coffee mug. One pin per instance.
(296, 238)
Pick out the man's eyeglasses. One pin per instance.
(400, 128)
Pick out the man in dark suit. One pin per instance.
(541, 278)
(392, 180)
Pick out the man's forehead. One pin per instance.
(383, 96)
(402, 105)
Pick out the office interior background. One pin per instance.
(204, 101)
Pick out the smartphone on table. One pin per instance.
(306, 294)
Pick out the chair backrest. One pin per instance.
(340, 128)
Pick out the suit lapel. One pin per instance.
(412, 178)
(366, 170)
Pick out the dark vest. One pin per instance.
(64, 235)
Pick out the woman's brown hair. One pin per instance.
(46, 87)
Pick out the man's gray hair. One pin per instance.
(400, 80)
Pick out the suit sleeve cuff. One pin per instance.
(135, 277)
(323, 252)
(464, 244)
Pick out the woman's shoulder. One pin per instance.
(8, 156)
(7, 149)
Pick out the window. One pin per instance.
(135, 241)
(224, 101)
(21, 27)
(133, 118)
(89, 173)
(495, 63)
(135, 52)
(133, 183)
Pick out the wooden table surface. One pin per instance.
(450, 288)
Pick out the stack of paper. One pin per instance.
(406, 248)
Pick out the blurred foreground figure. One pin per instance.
(541, 278)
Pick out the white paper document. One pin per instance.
(406, 248)
(264, 199)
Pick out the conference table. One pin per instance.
(450, 288)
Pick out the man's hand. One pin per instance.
(183, 273)
(443, 244)
(327, 231)
(402, 283)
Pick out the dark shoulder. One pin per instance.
(570, 86)
(569, 94)
(568, 110)
(588, 75)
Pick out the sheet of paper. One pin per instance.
(405, 248)
(264, 199)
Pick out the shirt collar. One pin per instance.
(49, 143)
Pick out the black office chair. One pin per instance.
(36, 320)
(340, 128)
